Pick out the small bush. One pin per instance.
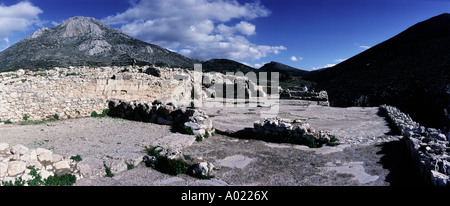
(198, 138)
(188, 130)
(130, 166)
(103, 114)
(63, 180)
(56, 117)
(309, 141)
(171, 166)
(108, 171)
(76, 158)
(17, 182)
(168, 166)
(206, 134)
(25, 117)
(7, 122)
(333, 141)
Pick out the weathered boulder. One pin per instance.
(4, 148)
(45, 158)
(202, 169)
(16, 168)
(62, 167)
(19, 149)
(3, 169)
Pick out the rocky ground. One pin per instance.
(369, 153)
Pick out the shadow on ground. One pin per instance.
(396, 159)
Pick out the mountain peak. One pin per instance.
(85, 41)
(80, 25)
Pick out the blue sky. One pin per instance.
(304, 34)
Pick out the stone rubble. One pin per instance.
(321, 97)
(192, 121)
(16, 160)
(285, 130)
(428, 147)
(196, 167)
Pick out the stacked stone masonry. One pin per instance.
(428, 147)
(285, 130)
(321, 97)
(193, 121)
(78, 91)
(16, 161)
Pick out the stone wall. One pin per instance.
(296, 132)
(15, 162)
(187, 120)
(77, 91)
(428, 147)
(321, 97)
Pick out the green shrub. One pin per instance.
(130, 166)
(76, 158)
(17, 182)
(198, 138)
(7, 122)
(188, 130)
(309, 141)
(25, 117)
(63, 180)
(168, 166)
(108, 171)
(56, 117)
(333, 141)
(103, 114)
(171, 166)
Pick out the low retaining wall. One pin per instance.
(428, 147)
(188, 120)
(296, 132)
(321, 97)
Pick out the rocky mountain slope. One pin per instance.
(410, 71)
(84, 41)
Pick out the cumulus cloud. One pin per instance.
(18, 17)
(296, 59)
(200, 29)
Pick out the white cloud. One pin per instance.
(364, 47)
(260, 65)
(18, 17)
(340, 60)
(323, 67)
(197, 26)
(296, 59)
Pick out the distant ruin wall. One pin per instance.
(321, 97)
(428, 147)
(76, 92)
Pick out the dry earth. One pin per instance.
(369, 153)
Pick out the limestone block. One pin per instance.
(42, 150)
(45, 158)
(45, 174)
(19, 149)
(4, 148)
(3, 169)
(62, 167)
(57, 158)
(16, 168)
